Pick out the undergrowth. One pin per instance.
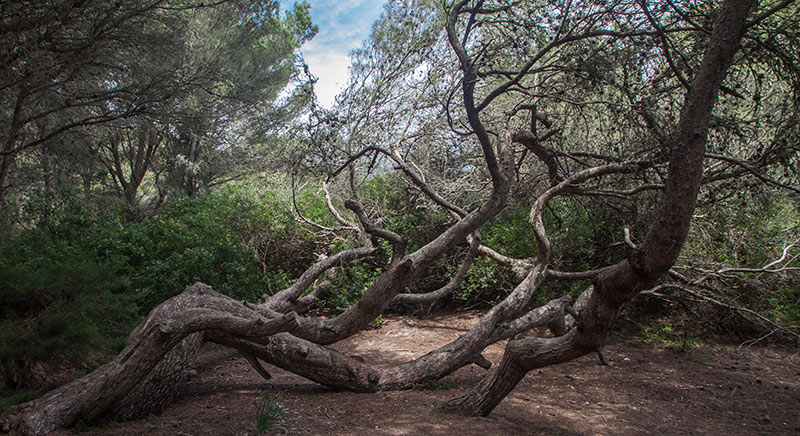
(270, 410)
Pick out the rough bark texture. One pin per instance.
(250, 328)
(286, 299)
(332, 368)
(519, 358)
(160, 387)
(618, 283)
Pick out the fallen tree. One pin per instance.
(143, 378)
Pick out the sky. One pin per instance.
(343, 24)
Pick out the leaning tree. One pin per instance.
(609, 99)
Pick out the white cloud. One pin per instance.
(330, 67)
(343, 24)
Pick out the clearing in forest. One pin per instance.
(711, 390)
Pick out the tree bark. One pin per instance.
(335, 369)
(6, 162)
(141, 379)
(519, 358)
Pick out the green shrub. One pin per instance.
(749, 230)
(73, 287)
(348, 285)
(58, 305)
(270, 410)
(239, 240)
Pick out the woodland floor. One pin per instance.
(711, 390)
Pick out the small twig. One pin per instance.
(311, 222)
(753, 171)
(766, 268)
(329, 203)
(748, 344)
(737, 309)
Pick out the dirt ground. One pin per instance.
(647, 390)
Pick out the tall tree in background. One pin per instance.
(67, 67)
(180, 65)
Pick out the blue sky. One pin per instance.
(343, 24)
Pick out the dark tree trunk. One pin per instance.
(519, 358)
(161, 386)
(6, 162)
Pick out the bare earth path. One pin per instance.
(647, 390)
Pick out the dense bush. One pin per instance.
(234, 239)
(78, 280)
(750, 231)
(58, 304)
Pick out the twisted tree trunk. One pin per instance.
(616, 284)
(144, 377)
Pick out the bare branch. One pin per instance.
(418, 180)
(781, 262)
(461, 274)
(398, 242)
(283, 301)
(572, 276)
(253, 360)
(772, 11)
(768, 268)
(737, 309)
(665, 44)
(753, 171)
(306, 220)
(519, 267)
(333, 210)
(468, 90)
(554, 310)
(627, 232)
(545, 155)
(618, 193)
